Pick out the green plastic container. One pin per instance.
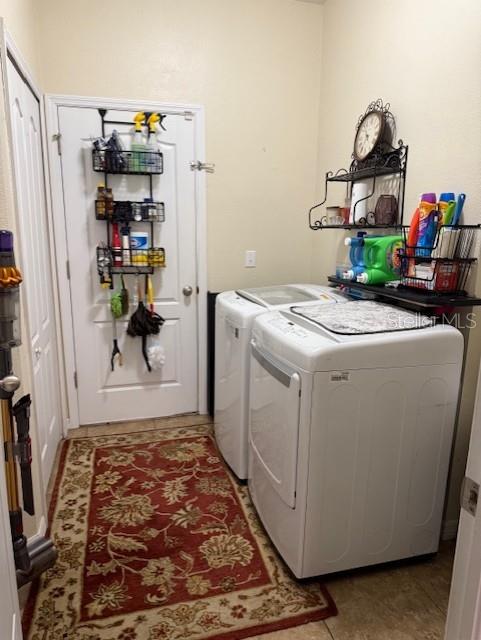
(381, 259)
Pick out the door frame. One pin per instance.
(197, 114)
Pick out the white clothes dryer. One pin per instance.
(352, 410)
(235, 313)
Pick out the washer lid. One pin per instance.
(283, 294)
(362, 317)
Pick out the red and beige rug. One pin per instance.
(156, 541)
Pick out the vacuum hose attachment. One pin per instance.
(42, 555)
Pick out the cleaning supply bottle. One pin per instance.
(152, 159)
(428, 224)
(382, 260)
(448, 213)
(356, 255)
(137, 148)
(116, 246)
(459, 208)
(125, 231)
(444, 200)
(109, 203)
(100, 205)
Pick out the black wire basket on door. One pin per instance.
(444, 266)
(143, 163)
(125, 261)
(128, 211)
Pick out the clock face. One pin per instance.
(368, 135)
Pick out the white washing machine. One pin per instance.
(352, 409)
(234, 316)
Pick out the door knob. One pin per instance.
(187, 290)
(38, 352)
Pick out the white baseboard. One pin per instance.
(449, 529)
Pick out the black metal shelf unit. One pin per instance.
(392, 163)
(432, 276)
(413, 298)
(141, 163)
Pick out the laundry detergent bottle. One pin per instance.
(428, 224)
(381, 259)
(356, 255)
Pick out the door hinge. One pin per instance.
(67, 269)
(56, 138)
(197, 165)
(189, 115)
(197, 290)
(469, 495)
(75, 379)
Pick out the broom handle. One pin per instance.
(10, 466)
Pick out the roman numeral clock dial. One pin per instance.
(368, 134)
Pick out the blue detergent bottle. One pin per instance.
(356, 251)
(356, 255)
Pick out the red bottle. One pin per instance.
(116, 246)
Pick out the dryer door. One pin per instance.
(274, 421)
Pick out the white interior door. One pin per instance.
(464, 611)
(37, 287)
(131, 391)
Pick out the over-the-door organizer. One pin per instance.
(127, 251)
(136, 254)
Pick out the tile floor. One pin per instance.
(403, 602)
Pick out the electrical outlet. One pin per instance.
(250, 260)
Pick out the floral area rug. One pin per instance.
(157, 541)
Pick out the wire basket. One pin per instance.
(127, 211)
(128, 162)
(444, 266)
(112, 261)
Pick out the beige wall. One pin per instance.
(255, 67)
(20, 22)
(424, 58)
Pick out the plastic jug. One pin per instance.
(381, 259)
(356, 255)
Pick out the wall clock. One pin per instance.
(368, 135)
(374, 132)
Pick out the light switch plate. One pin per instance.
(250, 259)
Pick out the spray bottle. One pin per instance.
(137, 148)
(151, 157)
